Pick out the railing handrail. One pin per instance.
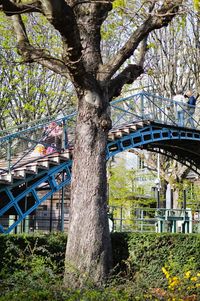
(40, 125)
(131, 109)
(44, 121)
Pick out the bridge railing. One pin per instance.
(141, 219)
(121, 219)
(146, 106)
(18, 144)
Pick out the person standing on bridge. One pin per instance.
(53, 137)
(179, 107)
(191, 107)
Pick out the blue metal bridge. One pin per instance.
(142, 120)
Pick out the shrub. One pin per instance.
(148, 267)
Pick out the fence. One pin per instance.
(121, 219)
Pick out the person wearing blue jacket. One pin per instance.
(191, 107)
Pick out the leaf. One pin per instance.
(197, 5)
(119, 3)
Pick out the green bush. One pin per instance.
(149, 252)
(15, 250)
(141, 258)
(31, 267)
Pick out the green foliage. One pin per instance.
(151, 45)
(124, 189)
(125, 195)
(192, 190)
(121, 181)
(30, 91)
(150, 252)
(28, 264)
(16, 249)
(181, 23)
(120, 251)
(31, 268)
(119, 3)
(197, 5)
(116, 28)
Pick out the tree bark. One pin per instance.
(88, 253)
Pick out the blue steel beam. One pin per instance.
(139, 105)
(53, 185)
(135, 107)
(148, 135)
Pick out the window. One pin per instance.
(66, 207)
(42, 208)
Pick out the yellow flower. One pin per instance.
(175, 279)
(171, 288)
(197, 284)
(198, 274)
(194, 278)
(165, 272)
(187, 274)
(173, 284)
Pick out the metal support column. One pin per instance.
(9, 154)
(142, 105)
(158, 198)
(62, 205)
(172, 199)
(65, 136)
(51, 214)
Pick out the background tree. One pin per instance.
(172, 61)
(29, 91)
(124, 185)
(172, 65)
(96, 82)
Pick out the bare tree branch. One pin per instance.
(162, 18)
(127, 76)
(144, 46)
(10, 8)
(143, 51)
(62, 17)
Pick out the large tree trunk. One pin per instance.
(88, 253)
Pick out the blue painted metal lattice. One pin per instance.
(143, 121)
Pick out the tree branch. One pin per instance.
(62, 17)
(31, 54)
(143, 51)
(144, 46)
(162, 18)
(127, 76)
(10, 8)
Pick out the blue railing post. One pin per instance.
(62, 205)
(142, 105)
(9, 154)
